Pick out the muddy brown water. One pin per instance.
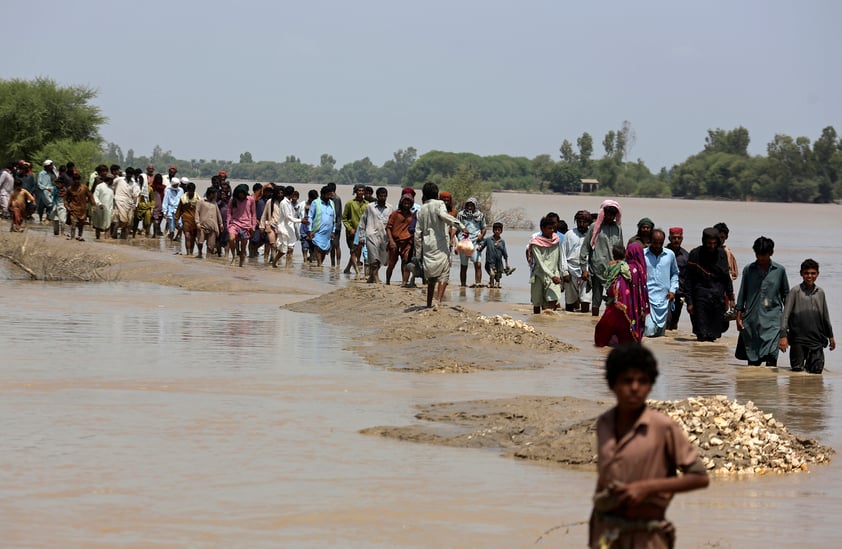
(137, 415)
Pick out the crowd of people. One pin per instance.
(644, 282)
(645, 285)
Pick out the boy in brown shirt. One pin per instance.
(77, 199)
(18, 202)
(400, 239)
(639, 453)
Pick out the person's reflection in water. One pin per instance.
(808, 400)
(801, 402)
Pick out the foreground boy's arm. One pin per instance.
(637, 491)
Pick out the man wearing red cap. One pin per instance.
(676, 237)
(171, 171)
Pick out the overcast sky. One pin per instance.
(367, 77)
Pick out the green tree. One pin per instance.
(465, 183)
(245, 158)
(791, 170)
(326, 170)
(85, 154)
(360, 171)
(620, 145)
(435, 166)
(565, 177)
(735, 141)
(567, 153)
(34, 113)
(394, 171)
(291, 170)
(828, 159)
(626, 139)
(608, 143)
(585, 144)
(542, 166)
(113, 154)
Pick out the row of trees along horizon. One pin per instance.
(42, 119)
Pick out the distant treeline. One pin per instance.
(793, 170)
(41, 119)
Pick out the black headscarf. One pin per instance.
(713, 261)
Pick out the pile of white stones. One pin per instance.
(734, 438)
(506, 320)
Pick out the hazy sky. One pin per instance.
(365, 78)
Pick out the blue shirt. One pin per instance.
(661, 279)
(327, 219)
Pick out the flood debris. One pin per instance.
(734, 438)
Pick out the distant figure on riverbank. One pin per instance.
(627, 302)
(644, 232)
(433, 241)
(597, 249)
(400, 240)
(661, 283)
(639, 454)
(372, 230)
(496, 255)
(21, 205)
(709, 287)
(577, 290)
(208, 222)
(763, 290)
(474, 220)
(676, 237)
(545, 277)
(805, 324)
(724, 232)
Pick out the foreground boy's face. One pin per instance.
(632, 388)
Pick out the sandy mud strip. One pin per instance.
(44, 257)
(731, 438)
(397, 332)
(555, 431)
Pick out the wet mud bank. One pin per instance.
(398, 332)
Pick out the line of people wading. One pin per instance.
(644, 282)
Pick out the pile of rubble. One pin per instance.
(506, 320)
(734, 438)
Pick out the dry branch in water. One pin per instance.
(46, 258)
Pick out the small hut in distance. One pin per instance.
(588, 185)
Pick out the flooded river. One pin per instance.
(138, 415)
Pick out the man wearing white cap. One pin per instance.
(46, 185)
(7, 183)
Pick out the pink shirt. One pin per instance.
(243, 216)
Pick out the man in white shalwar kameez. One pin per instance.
(286, 224)
(373, 229)
(577, 291)
(103, 206)
(432, 241)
